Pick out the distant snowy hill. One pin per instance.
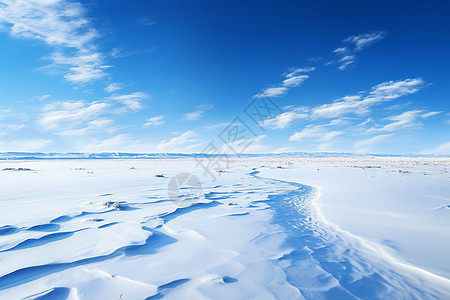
(121, 155)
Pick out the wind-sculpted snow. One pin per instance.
(325, 263)
(248, 237)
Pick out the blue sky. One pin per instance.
(170, 76)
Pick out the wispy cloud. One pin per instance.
(441, 149)
(91, 127)
(62, 25)
(63, 116)
(79, 118)
(185, 141)
(361, 103)
(315, 132)
(154, 121)
(353, 44)
(131, 101)
(364, 40)
(120, 142)
(366, 143)
(6, 129)
(286, 119)
(357, 105)
(320, 134)
(41, 98)
(120, 53)
(145, 22)
(112, 87)
(295, 77)
(201, 109)
(25, 145)
(404, 120)
(15, 127)
(345, 114)
(254, 145)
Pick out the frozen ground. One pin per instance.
(267, 228)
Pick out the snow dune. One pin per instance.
(257, 233)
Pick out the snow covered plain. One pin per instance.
(267, 228)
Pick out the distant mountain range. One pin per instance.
(122, 155)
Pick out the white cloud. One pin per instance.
(192, 116)
(404, 120)
(131, 101)
(292, 80)
(361, 41)
(76, 118)
(185, 141)
(62, 25)
(360, 105)
(344, 65)
(295, 71)
(295, 80)
(430, 114)
(42, 98)
(394, 89)
(154, 121)
(347, 58)
(272, 92)
(344, 106)
(213, 126)
(91, 126)
(441, 149)
(372, 141)
(283, 150)
(121, 142)
(338, 122)
(306, 133)
(341, 50)
(317, 132)
(285, 120)
(315, 59)
(120, 53)
(354, 44)
(29, 145)
(117, 143)
(15, 127)
(195, 115)
(145, 22)
(8, 128)
(60, 116)
(205, 106)
(83, 67)
(252, 145)
(112, 87)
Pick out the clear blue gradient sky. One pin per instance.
(168, 76)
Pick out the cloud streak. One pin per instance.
(357, 105)
(361, 103)
(404, 120)
(154, 121)
(295, 77)
(195, 115)
(185, 141)
(346, 53)
(64, 26)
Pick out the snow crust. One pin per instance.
(267, 228)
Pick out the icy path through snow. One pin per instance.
(326, 263)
